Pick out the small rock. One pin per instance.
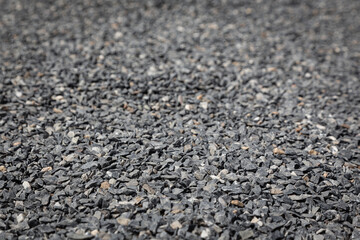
(232, 177)
(49, 130)
(26, 185)
(138, 199)
(217, 228)
(254, 220)
(77, 236)
(205, 233)
(46, 169)
(247, 165)
(177, 191)
(187, 148)
(278, 151)
(334, 150)
(313, 152)
(237, 203)
(75, 140)
(210, 187)
(246, 234)
(118, 35)
(355, 234)
(320, 127)
(176, 211)
(19, 204)
(97, 214)
(212, 149)
(189, 107)
(2, 168)
(69, 158)
(148, 189)
(176, 225)
(276, 191)
(57, 205)
(165, 98)
(318, 237)
(123, 221)
(20, 218)
(199, 97)
(45, 200)
(132, 183)
(134, 173)
(71, 134)
(18, 94)
(299, 197)
(220, 217)
(222, 202)
(204, 105)
(199, 175)
(223, 172)
(96, 150)
(105, 185)
(56, 110)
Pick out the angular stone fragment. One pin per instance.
(299, 197)
(46, 169)
(276, 191)
(237, 203)
(26, 185)
(148, 189)
(175, 225)
(78, 236)
(123, 221)
(246, 234)
(105, 185)
(278, 151)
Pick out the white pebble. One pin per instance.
(26, 185)
(20, 218)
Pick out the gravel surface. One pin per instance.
(180, 119)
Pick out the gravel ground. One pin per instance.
(179, 119)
